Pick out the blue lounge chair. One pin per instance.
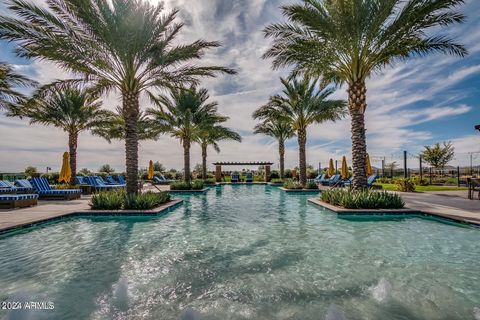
(320, 179)
(81, 180)
(161, 180)
(41, 186)
(371, 180)
(98, 184)
(111, 181)
(334, 180)
(235, 177)
(249, 177)
(11, 201)
(348, 182)
(18, 189)
(121, 180)
(6, 189)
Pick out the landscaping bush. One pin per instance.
(65, 186)
(385, 180)
(365, 199)
(276, 181)
(182, 185)
(405, 185)
(290, 184)
(118, 199)
(210, 181)
(145, 201)
(274, 174)
(311, 185)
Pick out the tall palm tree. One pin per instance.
(9, 79)
(210, 135)
(302, 104)
(72, 108)
(346, 41)
(183, 114)
(127, 46)
(279, 129)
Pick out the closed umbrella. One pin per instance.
(331, 168)
(369, 166)
(66, 172)
(344, 169)
(150, 170)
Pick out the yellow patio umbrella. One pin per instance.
(150, 170)
(369, 166)
(331, 168)
(344, 169)
(66, 172)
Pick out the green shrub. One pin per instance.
(365, 199)
(405, 185)
(182, 185)
(145, 201)
(118, 199)
(290, 184)
(108, 200)
(66, 186)
(276, 181)
(209, 181)
(385, 180)
(311, 185)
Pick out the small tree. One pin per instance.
(158, 167)
(84, 172)
(31, 171)
(438, 156)
(106, 168)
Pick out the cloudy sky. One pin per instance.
(411, 104)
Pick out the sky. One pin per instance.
(411, 104)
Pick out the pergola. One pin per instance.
(218, 168)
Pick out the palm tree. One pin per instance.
(346, 41)
(183, 114)
(72, 108)
(279, 129)
(301, 104)
(9, 97)
(127, 46)
(210, 135)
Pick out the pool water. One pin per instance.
(243, 252)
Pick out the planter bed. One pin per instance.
(365, 212)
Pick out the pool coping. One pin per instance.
(188, 191)
(164, 208)
(392, 212)
(300, 190)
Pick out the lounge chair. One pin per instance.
(41, 186)
(332, 181)
(81, 181)
(111, 181)
(121, 180)
(11, 201)
(98, 184)
(235, 178)
(161, 180)
(371, 180)
(249, 177)
(348, 182)
(473, 186)
(320, 179)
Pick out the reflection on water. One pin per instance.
(244, 252)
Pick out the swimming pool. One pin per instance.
(244, 252)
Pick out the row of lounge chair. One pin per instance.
(97, 183)
(235, 178)
(336, 180)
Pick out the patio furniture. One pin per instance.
(320, 179)
(18, 189)
(333, 181)
(12, 201)
(235, 177)
(121, 180)
(111, 181)
(98, 184)
(161, 180)
(45, 191)
(249, 177)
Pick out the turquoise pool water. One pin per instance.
(243, 252)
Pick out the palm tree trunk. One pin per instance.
(204, 161)
(357, 105)
(72, 146)
(302, 141)
(131, 110)
(186, 160)
(281, 152)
